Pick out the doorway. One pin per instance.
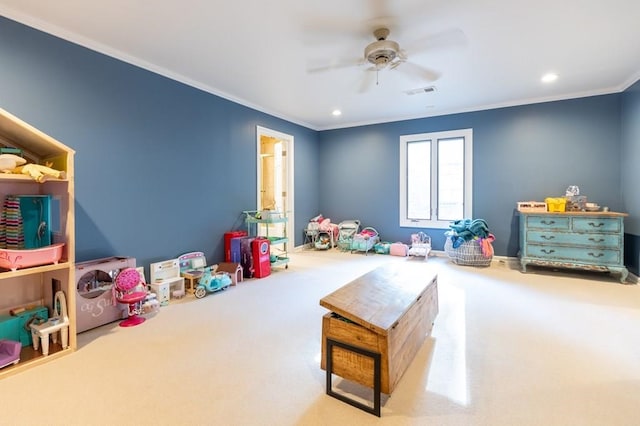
(275, 178)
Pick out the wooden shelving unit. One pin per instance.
(36, 285)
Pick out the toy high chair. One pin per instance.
(129, 289)
(59, 322)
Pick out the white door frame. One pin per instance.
(289, 141)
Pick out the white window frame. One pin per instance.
(467, 135)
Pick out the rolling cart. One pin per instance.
(273, 227)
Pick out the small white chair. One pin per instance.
(59, 322)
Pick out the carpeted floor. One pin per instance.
(507, 348)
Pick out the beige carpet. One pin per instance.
(507, 349)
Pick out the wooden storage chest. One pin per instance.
(388, 311)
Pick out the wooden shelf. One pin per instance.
(30, 358)
(13, 177)
(37, 285)
(63, 264)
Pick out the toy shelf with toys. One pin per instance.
(35, 261)
(272, 226)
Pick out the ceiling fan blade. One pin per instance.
(395, 64)
(329, 31)
(419, 71)
(334, 65)
(453, 38)
(368, 80)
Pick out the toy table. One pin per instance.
(191, 279)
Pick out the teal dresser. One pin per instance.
(581, 240)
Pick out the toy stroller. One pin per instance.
(347, 229)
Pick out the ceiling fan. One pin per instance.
(383, 52)
(386, 54)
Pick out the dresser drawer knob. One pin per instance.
(545, 251)
(599, 240)
(596, 225)
(547, 237)
(551, 222)
(596, 255)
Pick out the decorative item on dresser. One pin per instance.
(579, 240)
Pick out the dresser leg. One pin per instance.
(624, 273)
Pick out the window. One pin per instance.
(435, 178)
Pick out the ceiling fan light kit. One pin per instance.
(382, 52)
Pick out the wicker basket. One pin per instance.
(468, 253)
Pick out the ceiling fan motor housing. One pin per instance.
(381, 53)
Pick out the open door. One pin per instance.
(275, 177)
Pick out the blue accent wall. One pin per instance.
(630, 171)
(163, 168)
(520, 153)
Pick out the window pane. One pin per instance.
(419, 180)
(451, 179)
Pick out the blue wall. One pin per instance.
(630, 123)
(521, 153)
(161, 168)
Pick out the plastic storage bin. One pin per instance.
(556, 204)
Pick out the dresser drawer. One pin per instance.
(584, 239)
(575, 254)
(596, 224)
(548, 222)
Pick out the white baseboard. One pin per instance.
(498, 261)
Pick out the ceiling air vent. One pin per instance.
(419, 90)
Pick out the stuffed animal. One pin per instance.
(39, 172)
(8, 162)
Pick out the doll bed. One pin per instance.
(420, 245)
(365, 240)
(324, 241)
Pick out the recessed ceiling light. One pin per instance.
(549, 77)
(336, 113)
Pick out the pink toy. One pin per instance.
(17, 259)
(129, 289)
(9, 352)
(398, 249)
(95, 305)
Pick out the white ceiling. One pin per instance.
(489, 53)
